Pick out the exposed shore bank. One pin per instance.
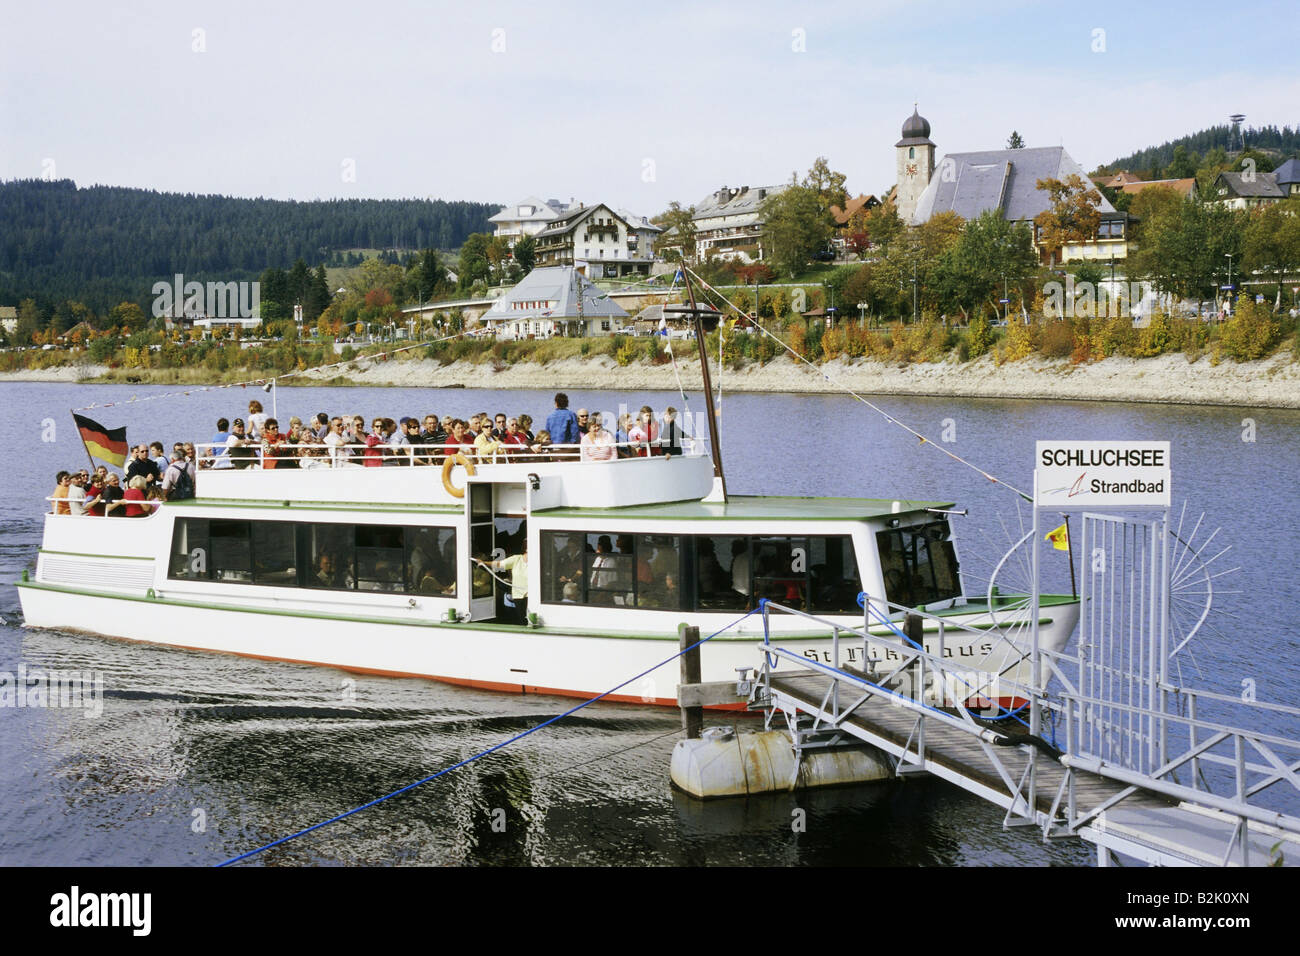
(1166, 379)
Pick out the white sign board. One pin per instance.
(1101, 474)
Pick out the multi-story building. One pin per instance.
(598, 242)
(729, 222)
(528, 217)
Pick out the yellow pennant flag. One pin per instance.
(1060, 538)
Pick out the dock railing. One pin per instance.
(1208, 762)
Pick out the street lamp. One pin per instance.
(1230, 289)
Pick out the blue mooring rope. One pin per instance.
(483, 753)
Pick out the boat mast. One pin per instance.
(715, 444)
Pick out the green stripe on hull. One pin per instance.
(459, 625)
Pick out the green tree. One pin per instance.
(679, 233)
(473, 263)
(29, 321)
(1271, 242)
(1183, 165)
(796, 224)
(883, 225)
(1015, 141)
(525, 253)
(828, 184)
(426, 275)
(991, 255)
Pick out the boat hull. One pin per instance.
(636, 668)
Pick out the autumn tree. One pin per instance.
(1073, 215)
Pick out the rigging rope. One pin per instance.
(489, 750)
(875, 408)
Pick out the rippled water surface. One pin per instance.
(198, 757)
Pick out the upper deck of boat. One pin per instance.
(763, 508)
(677, 488)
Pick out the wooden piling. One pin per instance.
(692, 717)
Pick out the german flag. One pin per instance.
(106, 444)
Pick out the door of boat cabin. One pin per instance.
(497, 529)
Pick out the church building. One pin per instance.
(1005, 180)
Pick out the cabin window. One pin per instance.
(562, 567)
(919, 564)
(608, 568)
(431, 561)
(230, 558)
(343, 557)
(273, 554)
(720, 572)
(659, 572)
(381, 558)
(331, 561)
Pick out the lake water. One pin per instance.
(198, 757)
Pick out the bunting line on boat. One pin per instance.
(875, 408)
(379, 356)
(495, 747)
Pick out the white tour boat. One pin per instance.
(377, 570)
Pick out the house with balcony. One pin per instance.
(527, 217)
(729, 222)
(598, 242)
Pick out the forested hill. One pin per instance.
(103, 245)
(1285, 140)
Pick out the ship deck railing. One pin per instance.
(1174, 776)
(433, 456)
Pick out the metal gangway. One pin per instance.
(1103, 743)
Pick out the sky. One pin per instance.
(630, 104)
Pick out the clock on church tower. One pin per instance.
(915, 167)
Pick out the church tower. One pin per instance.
(915, 157)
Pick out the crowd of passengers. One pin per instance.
(331, 441)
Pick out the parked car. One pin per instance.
(824, 255)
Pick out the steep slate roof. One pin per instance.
(542, 212)
(554, 284)
(1264, 185)
(571, 219)
(746, 201)
(1288, 172)
(637, 222)
(1002, 179)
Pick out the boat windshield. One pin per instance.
(919, 564)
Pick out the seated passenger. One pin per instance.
(597, 444)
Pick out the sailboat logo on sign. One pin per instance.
(1102, 474)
